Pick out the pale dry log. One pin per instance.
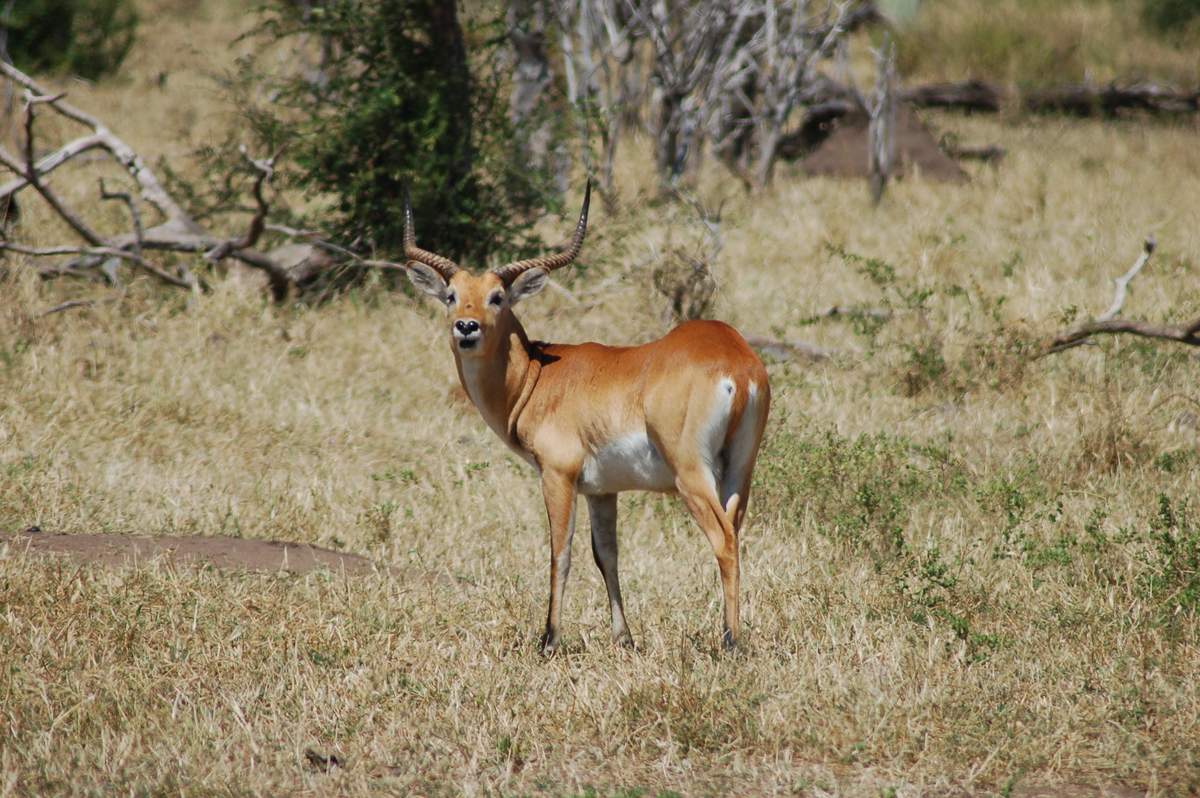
(164, 240)
(1108, 324)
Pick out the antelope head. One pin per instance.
(480, 306)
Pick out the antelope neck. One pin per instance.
(500, 386)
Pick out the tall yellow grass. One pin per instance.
(958, 568)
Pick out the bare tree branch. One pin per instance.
(266, 170)
(71, 305)
(134, 214)
(101, 252)
(1122, 282)
(49, 163)
(179, 232)
(28, 169)
(783, 349)
(1108, 323)
(151, 188)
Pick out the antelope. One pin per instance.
(684, 414)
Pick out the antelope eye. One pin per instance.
(496, 299)
(450, 299)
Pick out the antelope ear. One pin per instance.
(426, 280)
(527, 284)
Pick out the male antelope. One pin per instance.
(683, 414)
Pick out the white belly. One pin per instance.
(628, 463)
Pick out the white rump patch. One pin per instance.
(630, 462)
(712, 434)
(741, 447)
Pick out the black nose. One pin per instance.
(466, 326)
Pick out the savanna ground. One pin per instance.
(966, 571)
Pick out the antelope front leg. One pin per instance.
(603, 513)
(559, 492)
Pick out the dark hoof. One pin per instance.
(728, 642)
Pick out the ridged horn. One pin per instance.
(551, 262)
(443, 266)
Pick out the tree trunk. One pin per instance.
(666, 138)
(449, 49)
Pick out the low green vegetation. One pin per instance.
(87, 38)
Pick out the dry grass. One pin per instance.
(965, 571)
(1035, 42)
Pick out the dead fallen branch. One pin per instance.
(989, 153)
(1080, 99)
(853, 312)
(72, 305)
(177, 232)
(100, 254)
(782, 349)
(827, 101)
(1108, 322)
(1088, 100)
(968, 95)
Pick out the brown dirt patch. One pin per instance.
(226, 553)
(844, 152)
(1077, 791)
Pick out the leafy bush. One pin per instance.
(88, 38)
(395, 101)
(1173, 564)
(1170, 16)
(859, 490)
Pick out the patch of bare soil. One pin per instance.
(845, 152)
(1076, 791)
(225, 553)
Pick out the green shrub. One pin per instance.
(1170, 16)
(859, 490)
(405, 96)
(88, 38)
(1172, 575)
